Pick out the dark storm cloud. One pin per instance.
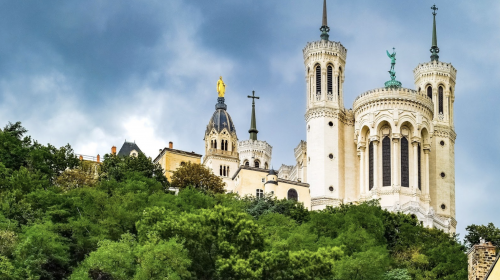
(93, 73)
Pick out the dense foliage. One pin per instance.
(123, 223)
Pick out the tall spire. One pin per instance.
(253, 123)
(324, 27)
(434, 48)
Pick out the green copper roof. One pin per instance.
(434, 47)
(253, 123)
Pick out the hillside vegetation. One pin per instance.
(59, 219)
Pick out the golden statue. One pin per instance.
(221, 87)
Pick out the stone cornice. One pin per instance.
(446, 132)
(327, 112)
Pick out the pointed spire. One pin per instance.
(253, 123)
(434, 47)
(324, 27)
(325, 18)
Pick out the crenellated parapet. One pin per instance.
(255, 153)
(387, 98)
(320, 49)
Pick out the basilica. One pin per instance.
(395, 145)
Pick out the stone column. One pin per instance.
(361, 170)
(375, 161)
(435, 99)
(426, 170)
(395, 159)
(415, 162)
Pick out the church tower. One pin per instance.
(324, 68)
(437, 80)
(253, 152)
(221, 154)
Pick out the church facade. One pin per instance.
(395, 144)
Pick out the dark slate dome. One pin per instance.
(221, 118)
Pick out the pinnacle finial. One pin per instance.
(434, 47)
(253, 123)
(324, 27)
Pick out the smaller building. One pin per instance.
(171, 159)
(483, 262)
(258, 182)
(129, 149)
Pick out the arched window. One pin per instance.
(429, 92)
(257, 164)
(386, 161)
(220, 170)
(247, 163)
(318, 79)
(329, 79)
(227, 170)
(266, 166)
(370, 166)
(440, 99)
(405, 163)
(215, 144)
(259, 193)
(224, 171)
(292, 195)
(212, 144)
(338, 81)
(419, 168)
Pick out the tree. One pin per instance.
(476, 232)
(197, 176)
(84, 175)
(120, 168)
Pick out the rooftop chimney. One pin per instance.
(113, 150)
(170, 145)
(480, 258)
(98, 158)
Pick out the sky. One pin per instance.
(96, 73)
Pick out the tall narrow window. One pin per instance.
(429, 92)
(212, 144)
(220, 170)
(419, 168)
(318, 79)
(260, 193)
(329, 79)
(338, 81)
(215, 144)
(224, 171)
(292, 195)
(440, 100)
(386, 161)
(256, 164)
(226, 145)
(405, 162)
(227, 170)
(370, 165)
(247, 163)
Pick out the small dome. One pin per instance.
(220, 120)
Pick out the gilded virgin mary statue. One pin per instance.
(221, 87)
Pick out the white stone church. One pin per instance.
(395, 145)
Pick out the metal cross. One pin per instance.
(435, 9)
(253, 97)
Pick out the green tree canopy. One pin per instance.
(197, 176)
